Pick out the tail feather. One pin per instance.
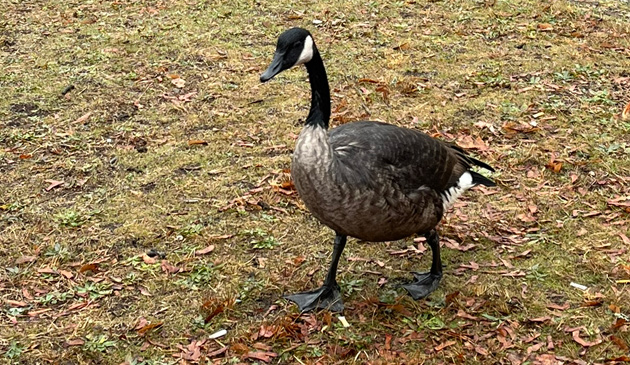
(479, 179)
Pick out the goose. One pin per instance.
(369, 180)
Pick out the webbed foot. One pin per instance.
(326, 297)
(425, 284)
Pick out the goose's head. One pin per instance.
(295, 47)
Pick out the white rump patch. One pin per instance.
(464, 183)
(307, 51)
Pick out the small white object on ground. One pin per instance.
(579, 286)
(218, 334)
(343, 321)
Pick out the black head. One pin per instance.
(295, 47)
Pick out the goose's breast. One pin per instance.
(379, 212)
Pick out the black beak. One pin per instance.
(273, 69)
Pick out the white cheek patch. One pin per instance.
(307, 52)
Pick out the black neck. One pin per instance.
(320, 92)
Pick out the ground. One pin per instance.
(147, 203)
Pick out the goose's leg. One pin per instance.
(326, 297)
(425, 283)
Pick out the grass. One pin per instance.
(165, 143)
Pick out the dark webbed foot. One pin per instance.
(326, 297)
(425, 284)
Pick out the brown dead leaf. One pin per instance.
(402, 47)
(168, 268)
(544, 27)
(540, 319)
(66, 274)
(576, 337)
(25, 259)
(89, 267)
(192, 352)
(261, 346)
(266, 331)
(470, 143)
(239, 348)
(563, 307)
(593, 303)
(444, 345)
(149, 327)
(217, 352)
(75, 342)
(554, 165)
(625, 114)
(299, 260)
(535, 348)
(264, 356)
(204, 251)
(547, 359)
(15, 303)
(620, 342)
(462, 314)
(620, 322)
(83, 118)
(148, 259)
(53, 184)
(194, 142)
(623, 202)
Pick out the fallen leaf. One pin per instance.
(67, 274)
(83, 118)
(540, 319)
(53, 184)
(193, 142)
(469, 143)
(25, 259)
(149, 327)
(444, 345)
(179, 82)
(462, 314)
(620, 342)
(148, 259)
(264, 356)
(75, 342)
(262, 346)
(15, 303)
(625, 114)
(576, 337)
(593, 303)
(144, 291)
(554, 165)
(563, 307)
(89, 267)
(205, 250)
(534, 348)
(545, 27)
(168, 268)
(217, 352)
(620, 322)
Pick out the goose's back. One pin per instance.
(375, 181)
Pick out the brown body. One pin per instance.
(374, 181)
